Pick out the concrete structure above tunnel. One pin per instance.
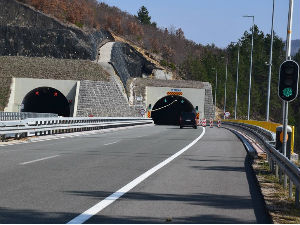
(21, 87)
(195, 96)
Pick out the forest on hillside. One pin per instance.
(189, 59)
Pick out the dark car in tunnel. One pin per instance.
(187, 119)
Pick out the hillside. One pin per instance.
(168, 47)
(27, 32)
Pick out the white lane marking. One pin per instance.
(50, 157)
(113, 197)
(141, 136)
(112, 143)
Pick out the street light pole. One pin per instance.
(216, 86)
(237, 79)
(270, 64)
(250, 75)
(225, 89)
(216, 90)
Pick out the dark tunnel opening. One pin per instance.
(46, 100)
(167, 110)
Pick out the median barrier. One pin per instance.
(55, 125)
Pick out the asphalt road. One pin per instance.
(55, 181)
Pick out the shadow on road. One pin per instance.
(212, 200)
(201, 219)
(259, 205)
(25, 216)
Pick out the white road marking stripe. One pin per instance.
(50, 157)
(113, 197)
(112, 143)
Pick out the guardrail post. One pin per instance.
(3, 138)
(290, 188)
(277, 171)
(270, 162)
(285, 180)
(273, 166)
(297, 198)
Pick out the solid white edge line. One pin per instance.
(50, 157)
(113, 197)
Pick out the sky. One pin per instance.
(216, 21)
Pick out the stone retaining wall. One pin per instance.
(103, 99)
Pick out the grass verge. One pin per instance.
(281, 208)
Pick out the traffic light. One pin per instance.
(288, 80)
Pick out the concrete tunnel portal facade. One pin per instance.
(66, 98)
(43, 96)
(46, 100)
(167, 110)
(167, 103)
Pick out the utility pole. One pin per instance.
(270, 64)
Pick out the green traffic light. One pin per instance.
(287, 92)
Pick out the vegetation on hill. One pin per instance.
(188, 59)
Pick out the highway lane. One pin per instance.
(55, 181)
(211, 183)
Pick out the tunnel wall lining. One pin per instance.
(22, 86)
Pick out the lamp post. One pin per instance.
(216, 86)
(237, 79)
(225, 88)
(270, 65)
(250, 75)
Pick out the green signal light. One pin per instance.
(287, 92)
(182, 101)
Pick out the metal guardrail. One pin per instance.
(8, 116)
(266, 125)
(55, 125)
(276, 159)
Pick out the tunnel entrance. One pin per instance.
(167, 110)
(46, 100)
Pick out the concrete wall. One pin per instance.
(195, 96)
(22, 86)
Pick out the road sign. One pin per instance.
(288, 80)
(139, 98)
(227, 114)
(142, 112)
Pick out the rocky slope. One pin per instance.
(27, 32)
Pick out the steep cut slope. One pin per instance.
(27, 32)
